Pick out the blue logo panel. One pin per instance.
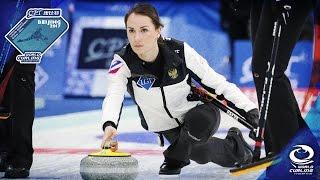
(146, 82)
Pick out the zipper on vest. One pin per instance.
(165, 106)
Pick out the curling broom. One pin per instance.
(258, 162)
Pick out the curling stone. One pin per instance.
(107, 164)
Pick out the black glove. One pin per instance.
(281, 9)
(252, 117)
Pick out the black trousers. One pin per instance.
(284, 117)
(194, 139)
(16, 132)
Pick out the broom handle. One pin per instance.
(209, 97)
(267, 91)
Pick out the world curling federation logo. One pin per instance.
(301, 159)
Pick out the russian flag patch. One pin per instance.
(115, 66)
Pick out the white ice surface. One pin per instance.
(80, 130)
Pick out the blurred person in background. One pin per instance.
(235, 21)
(284, 118)
(17, 96)
(157, 72)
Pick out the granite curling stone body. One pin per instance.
(106, 164)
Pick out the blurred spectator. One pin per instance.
(17, 95)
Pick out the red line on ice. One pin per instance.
(88, 151)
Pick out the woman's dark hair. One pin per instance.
(146, 10)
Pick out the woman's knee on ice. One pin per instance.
(201, 122)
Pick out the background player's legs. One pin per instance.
(284, 117)
(22, 86)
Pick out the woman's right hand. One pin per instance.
(109, 133)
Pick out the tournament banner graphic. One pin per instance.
(98, 46)
(36, 32)
(298, 71)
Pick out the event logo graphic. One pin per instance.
(36, 32)
(301, 159)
